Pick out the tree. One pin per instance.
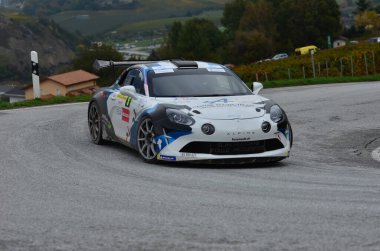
(249, 46)
(87, 56)
(233, 11)
(256, 34)
(195, 39)
(368, 20)
(308, 22)
(258, 16)
(363, 5)
(5, 70)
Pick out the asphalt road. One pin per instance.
(58, 191)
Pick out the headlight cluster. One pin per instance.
(179, 117)
(276, 114)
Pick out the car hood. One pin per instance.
(221, 108)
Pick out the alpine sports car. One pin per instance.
(179, 110)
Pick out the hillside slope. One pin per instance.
(100, 22)
(19, 35)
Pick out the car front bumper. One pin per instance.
(233, 140)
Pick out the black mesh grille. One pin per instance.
(233, 148)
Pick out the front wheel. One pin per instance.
(95, 124)
(146, 142)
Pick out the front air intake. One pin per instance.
(233, 148)
(185, 64)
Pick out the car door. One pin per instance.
(124, 109)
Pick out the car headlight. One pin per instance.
(179, 117)
(276, 114)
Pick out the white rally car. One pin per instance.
(188, 111)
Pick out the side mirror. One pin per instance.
(256, 87)
(128, 90)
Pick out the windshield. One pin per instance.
(195, 83)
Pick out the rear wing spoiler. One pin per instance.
(100, 64)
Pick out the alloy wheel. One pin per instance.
(146, 141)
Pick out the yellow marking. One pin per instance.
(121, 97)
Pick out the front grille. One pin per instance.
(233, 148)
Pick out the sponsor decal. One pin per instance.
(128, 101)
(119, 96)
(222, 100)
(241, 139)
(212, 104)
(135, 116)
(216, 70)
(125, 115)
(189, 155)
(159, 144)
(166, 139)
(165, 157)
(128, 132)
(118, 111)
(240, 133)
(162, 69)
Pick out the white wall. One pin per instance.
(15, 99)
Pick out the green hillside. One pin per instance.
(99, 22)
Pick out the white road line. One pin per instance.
(376, 154)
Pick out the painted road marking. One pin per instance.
(376, 154)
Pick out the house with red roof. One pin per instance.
(70, 83)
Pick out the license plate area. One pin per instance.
(237, 147)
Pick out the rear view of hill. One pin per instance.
(21, 34)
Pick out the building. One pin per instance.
(70, 83)
(340, 42)
(3, 90)
(15, 95)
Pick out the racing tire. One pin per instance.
(95, 124)
(146, 142)
(291, 135)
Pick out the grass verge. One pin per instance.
(39, 102)
(315, 81)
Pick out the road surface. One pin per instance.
(58, 191)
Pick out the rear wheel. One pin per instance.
(95, 124)
(146, 142)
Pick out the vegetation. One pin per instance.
(87, 55)
(39, 102)
(255, 29)
(363, 5)
(48, 7)
(195, 39)
(19, 34)
(155, 27)
(315, 81)
(5, 71)
(365, 60)
(269, 26)
(116, 21)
